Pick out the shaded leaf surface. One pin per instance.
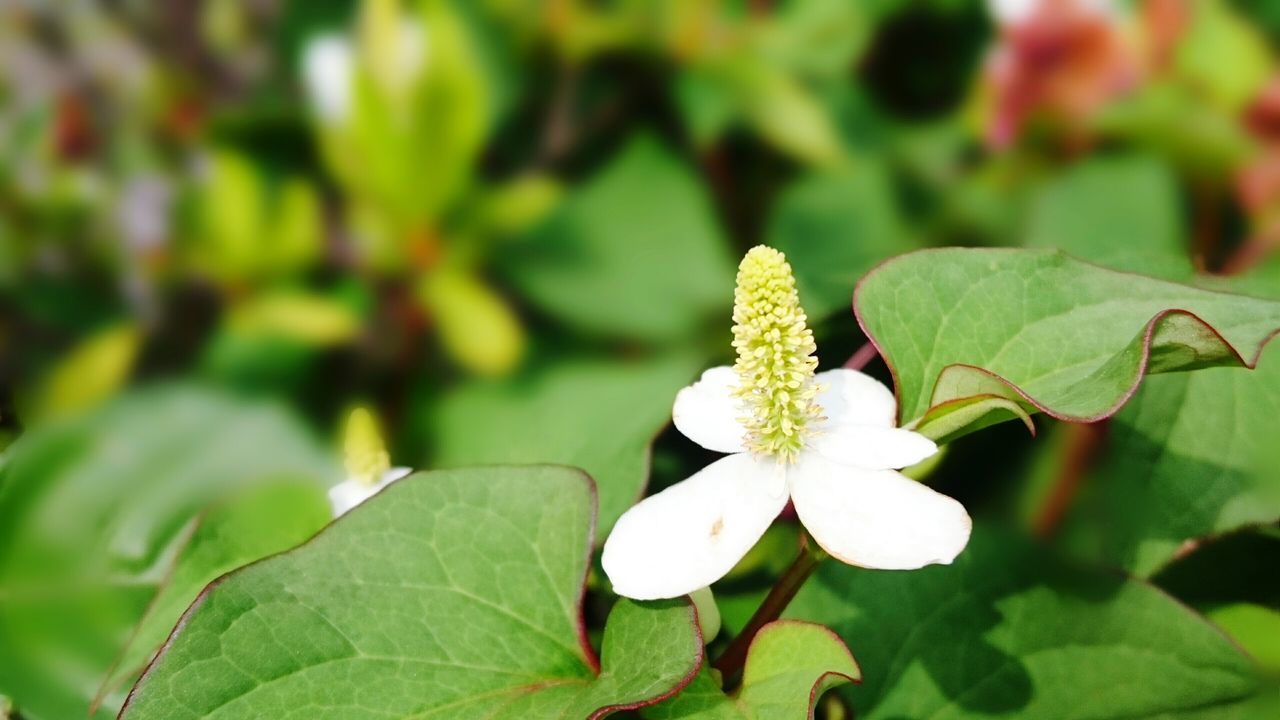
(1193, 453)
(1010, 631)
(449, 594)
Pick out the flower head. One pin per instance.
(367, 462)
(826, 441)
(775, 355)
(364, 453)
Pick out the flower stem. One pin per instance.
(734, 657)
(862, 357)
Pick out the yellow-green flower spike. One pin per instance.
(363, 449)
(775, 355)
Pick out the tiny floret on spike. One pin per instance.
(775, 355)
(364, 451)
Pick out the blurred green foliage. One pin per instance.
(510, 227)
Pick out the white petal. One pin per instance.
(849, 396)
(689, 535)
(876, 518)
(327, 69)
(707, 412)
(872, 448)
(350, 493)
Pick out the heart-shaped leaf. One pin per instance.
(1010, 631)
(101, 520)
(974, 336)
(597, 415)
(450, 594)
(789, 666)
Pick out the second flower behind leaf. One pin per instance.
(828, 442)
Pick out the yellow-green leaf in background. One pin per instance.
(477, 327)
(93, 371)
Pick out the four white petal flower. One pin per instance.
(843, 483)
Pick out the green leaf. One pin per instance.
(1010, 631)
(310, 319)
(636, 252)
(96, 513)
(261, 521)
(834, 227)
(92, 372)
(995, 331)
(1255, 627)
(598, 415)
(1122, 212)
(250, 228)
(789, 666)
(1224, 56)
(1192, 454)
(449, 594)
(477, 327)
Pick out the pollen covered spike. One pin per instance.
(365, 453)
(775, 355)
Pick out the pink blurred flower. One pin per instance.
(1060, 58)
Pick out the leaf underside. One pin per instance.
(973, 332)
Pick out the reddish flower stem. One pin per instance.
(1083, 445)
(862, 356)
(731, 661)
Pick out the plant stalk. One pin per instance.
(731, 661)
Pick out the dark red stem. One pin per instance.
(731, 661)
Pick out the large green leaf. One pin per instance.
(450, 594)
(1190, 455)
(1010, 631)
(974, 336)
(98, 511)
(261, 521)
(1193, 454)
(834, 227)
(789, 666)
(597, 415)
(636, 252)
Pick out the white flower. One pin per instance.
(355, 490)
(327, 68)
(368, 464)
(827, 441)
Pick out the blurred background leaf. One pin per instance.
(103, 523)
